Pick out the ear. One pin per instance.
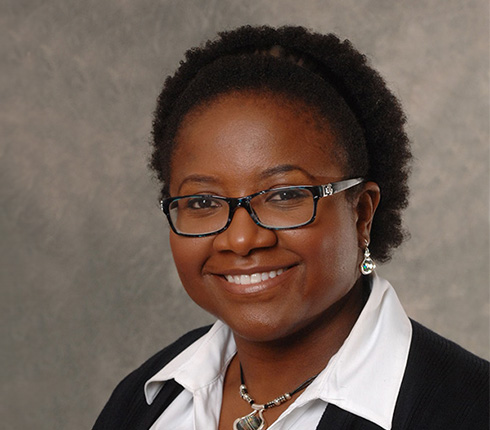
(366, 204)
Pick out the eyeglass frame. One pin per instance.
(317, 191)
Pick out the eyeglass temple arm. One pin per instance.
(336, 187)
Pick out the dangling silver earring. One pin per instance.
(367, 265)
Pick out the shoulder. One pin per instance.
(128, 400)
(440, 360)
(443, 385)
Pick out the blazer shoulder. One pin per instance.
(443, 384)
(438, 355)
(128, 396)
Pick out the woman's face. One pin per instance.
(235, 146)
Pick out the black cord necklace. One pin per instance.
(255, 420)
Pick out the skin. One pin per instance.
(286, 328)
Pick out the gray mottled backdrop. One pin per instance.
(88, 286)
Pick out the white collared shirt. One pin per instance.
(363, 377)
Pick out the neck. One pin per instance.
(272, 368)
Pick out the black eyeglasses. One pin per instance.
(282, 208)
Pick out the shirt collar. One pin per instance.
(198, 365)
(363, 377)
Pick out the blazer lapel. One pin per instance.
(335, 418)
(167, 395)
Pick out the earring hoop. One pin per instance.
(367, 265)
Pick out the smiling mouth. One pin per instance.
(254, 278)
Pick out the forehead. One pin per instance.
(241, 135)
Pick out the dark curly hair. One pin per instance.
(323, 73)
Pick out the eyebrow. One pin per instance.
(276, 170)
(284, 168)
(200, 179)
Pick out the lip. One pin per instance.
(259, 287)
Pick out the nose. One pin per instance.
(243, 236)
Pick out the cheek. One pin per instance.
(332, 256)
(331, 253)
(189, 256)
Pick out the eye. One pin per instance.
(204, 202)
(287, 195)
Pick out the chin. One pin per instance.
(262, 328)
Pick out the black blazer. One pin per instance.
(444, 387)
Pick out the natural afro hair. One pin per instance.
(326, 74)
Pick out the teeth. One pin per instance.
(254, 278)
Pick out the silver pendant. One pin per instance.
(367, 265)
(253, 421)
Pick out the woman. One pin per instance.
(284, 166)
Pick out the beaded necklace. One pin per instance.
(255, 420)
